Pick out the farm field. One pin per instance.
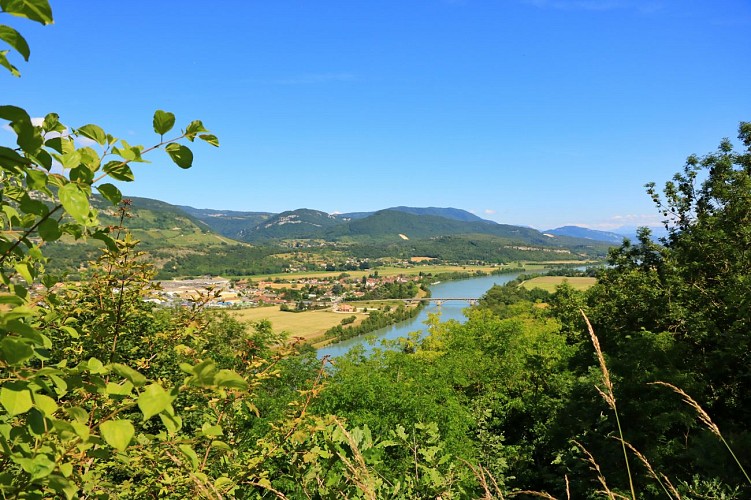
(410, 271)
(307, 324)
(549, 283)
(382, 271)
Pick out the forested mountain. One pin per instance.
(187, 241)
(228, 223)
(390, 224)
(383, 227)
(448, 213)
(302, 223)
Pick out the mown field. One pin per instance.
(549, 283)
(307, 324)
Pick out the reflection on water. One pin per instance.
(469, 288)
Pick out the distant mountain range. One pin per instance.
(183, 240)
(616, 238)
(154, 219)
(587, 234)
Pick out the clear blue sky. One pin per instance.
(536, 112)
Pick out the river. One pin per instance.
(470, 288)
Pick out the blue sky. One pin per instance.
(535, 112)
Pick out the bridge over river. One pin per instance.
(454, 297)
(433, 300)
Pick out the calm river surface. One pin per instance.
(470, 288)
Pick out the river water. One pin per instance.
(467, 288)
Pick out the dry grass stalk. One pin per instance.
(360, 474)
(706, 420)
(568, 490)
(668, 487)
(495, 484)
(596, 467)
(480, 475)
(609, 397)
(703, 415)
(540, 494)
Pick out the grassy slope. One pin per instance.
(549, 283)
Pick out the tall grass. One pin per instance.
(706, 420)
(609, 396)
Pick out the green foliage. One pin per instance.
(374, 321)
(102, 395)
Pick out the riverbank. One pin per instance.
(378, 320)
(472, 288)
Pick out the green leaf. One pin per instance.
(110, 193)
(25, 271)
(210, 138)
(129, 373)
(49, 230)
(211, 430)
(228, 378)
(181, 155)
(52, 123)
(154, 399)
(90, 158)
(9, 158)
(15, 40)
(81, 174)
(188, 452)
(95, 366)
(220, 445)
(163, 121)
(66, 469)
(79, 414)
(35, 10)
(14, 113)
(6, 64)
(14, 351)
(117, 433)
(15, 402)
(40, 156)
(29, 138)
(173, 423)
(32, 206)
(70, 158)
(36, 179)
(82, 430)
(120, 171)
(93, 132)
(38, 467)
(55, 143)
(194, 128)
(74, 201)
(124, 389)
(106, 238)
(45, 404)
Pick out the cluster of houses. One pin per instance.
(309, 292)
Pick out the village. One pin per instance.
(293, 294)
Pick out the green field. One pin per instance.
(307, 324)
(549, 283)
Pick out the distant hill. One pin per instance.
(183, 240)
(587, 234)
(159, 224)
(302, 223)
(394, 225)
(227, 222)
(447, 213)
